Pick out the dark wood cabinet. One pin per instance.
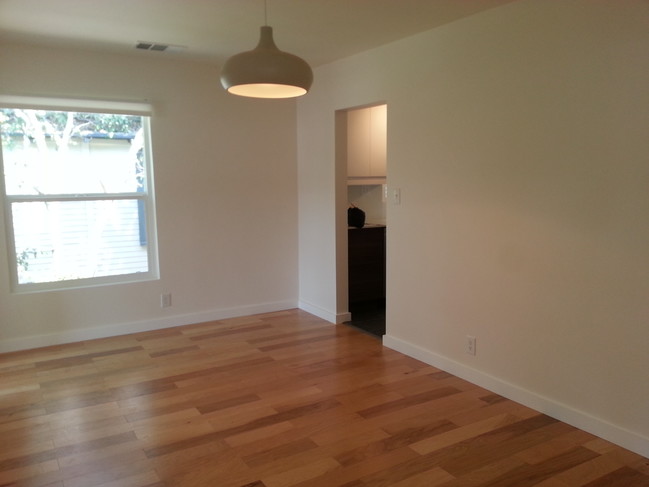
(366, 263)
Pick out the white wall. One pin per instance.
(519, 140)
(226, 191)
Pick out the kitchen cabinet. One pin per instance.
(366, 269)
(366, 145)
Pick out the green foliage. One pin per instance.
(15, 121)
(22, 258)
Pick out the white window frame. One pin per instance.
(123, 108)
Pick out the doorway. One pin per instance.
(361, 152)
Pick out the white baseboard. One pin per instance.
(580, 419)
(330, 316)
(77, 335)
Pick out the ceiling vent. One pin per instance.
(157, 46)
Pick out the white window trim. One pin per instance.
(75, 105)
(96, 106)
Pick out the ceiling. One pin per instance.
(320, 31)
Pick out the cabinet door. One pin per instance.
(358, 143)
(378, 140)
(366, 271)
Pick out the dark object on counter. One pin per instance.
(355, 217)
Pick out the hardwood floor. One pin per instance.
(275, 400)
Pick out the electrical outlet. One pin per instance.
(165, 300)
(470, 345)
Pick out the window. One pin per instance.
(78, 194)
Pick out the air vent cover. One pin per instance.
(158, 46)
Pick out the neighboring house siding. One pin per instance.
(119, 236)
(114, 226)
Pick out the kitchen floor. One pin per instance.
(368, 316)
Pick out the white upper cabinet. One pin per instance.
(366, 145)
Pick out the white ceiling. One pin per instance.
(320, 31)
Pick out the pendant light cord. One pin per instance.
(265, 12)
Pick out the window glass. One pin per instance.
(77, 197)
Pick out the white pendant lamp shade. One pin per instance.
(266, 72)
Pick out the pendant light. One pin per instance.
(266, 72)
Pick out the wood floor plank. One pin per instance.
(38, 474)
(459, 434)
(396, 440)
(530, 475)
(301, 474)
(276, 400)
(181, 462)
(434, 477)
(555, 446)
(279, 452)
(598, 467)
(622, 477)
(498, 444)
(486, 474)
(220, 468)
(408, 401)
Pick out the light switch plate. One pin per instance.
(395, 196)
